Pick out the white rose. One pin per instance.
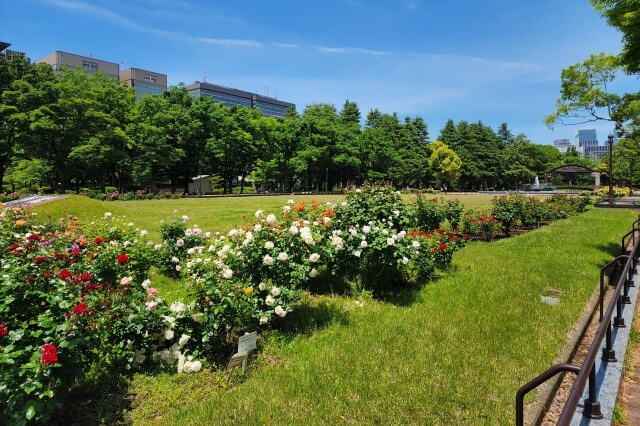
(262, 286)
(415, 244)
(275, 291)
(390, 241)
(263, 320)
(168, 334)
(269, 245)
(257, 227)
(183, 340)
(268, 260)
(293, 230)
(405, 260)
(280, 312)
(151, 305)
(269, 301)
(286, 209)
(314, 257)
(259, 214)
(366, 229)
(363, 243)
(271, 219)
(283, 256)
(357, 253)
(313, 273)
(227, 273)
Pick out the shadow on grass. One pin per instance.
(314, 314)
(102, 399)
(612, 249)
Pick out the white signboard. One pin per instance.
(247, 343)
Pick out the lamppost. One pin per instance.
(610, 169)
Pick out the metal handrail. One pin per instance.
(587, 370)
(624, 244)
(537, 381)
(615, 261)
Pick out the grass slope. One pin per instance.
(456, 354)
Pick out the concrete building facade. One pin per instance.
(60, 59)
(270, 107)
(9, 54)
(562, 145)
(144, 82)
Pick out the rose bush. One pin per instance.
(72, 297)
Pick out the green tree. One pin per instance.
(586, 97)
(625, 16)
(445, 164)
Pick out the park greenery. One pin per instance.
(81, 296)
(69, 131)
(588, 88)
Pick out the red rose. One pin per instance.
(85, 277)
(34, 237)
(98, 240)
(64, 274)
(31, 278)
(40, 259)
(49, 354)
(60, 256)
(122, 258)
(80, 309)
(3, 330)
(442, 247)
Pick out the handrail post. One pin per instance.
(592, 405)
(608, 353)
(618, 321)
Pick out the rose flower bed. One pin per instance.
(77, 297)
(73, 297)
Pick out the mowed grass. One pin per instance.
(209, 213)
(456, 354)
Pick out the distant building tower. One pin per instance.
(562, 145)
(270, 107)
(9, 54)
(59, 59)
(144, 82)
(585, 140)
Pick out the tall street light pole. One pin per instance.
(610, 169)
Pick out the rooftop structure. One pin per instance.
(562, 145)
(9, 54)
(59, 59)
(270, 107)
(144, 82)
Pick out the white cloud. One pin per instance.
(341, 50)
(229, 42)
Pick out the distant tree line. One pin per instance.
(69, 130)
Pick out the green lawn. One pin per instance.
(455, 352)
(209, 213)
(454, 355)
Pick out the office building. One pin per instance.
(562, 145)
(9, 54)
(585, 140)
(270, 107)
(60, 59)
(144, 82)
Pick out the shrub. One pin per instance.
(73, 297)
(481, 226)
(618, 192)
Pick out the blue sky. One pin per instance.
(493, 60)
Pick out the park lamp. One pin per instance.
(610, 169)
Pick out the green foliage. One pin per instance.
(72, 297)
(481, 226)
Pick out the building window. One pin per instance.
(90, 66)
(150, 78)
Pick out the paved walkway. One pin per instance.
(34, 200)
